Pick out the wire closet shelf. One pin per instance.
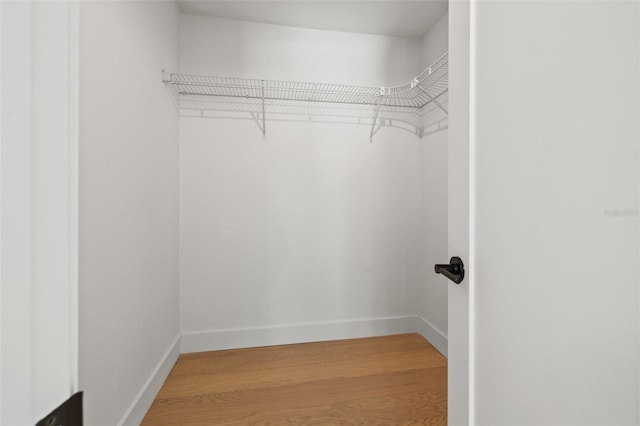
(426, 88)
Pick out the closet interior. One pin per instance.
(271, 178)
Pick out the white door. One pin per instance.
(38, 227)
(552, 220)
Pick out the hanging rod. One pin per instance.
(427, 87)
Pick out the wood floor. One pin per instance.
(391, 380)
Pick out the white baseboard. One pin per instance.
(433, 335)
(142, 402)
(200, 341)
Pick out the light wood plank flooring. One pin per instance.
(391, 380)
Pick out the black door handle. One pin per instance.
(454, 270)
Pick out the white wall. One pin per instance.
(432, 289)
(556, 297)
(312, 233)
(129, 319)
(225, 47)
(436, 41)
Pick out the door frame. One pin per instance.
(39, 36)
(460, 209)
(39, 205)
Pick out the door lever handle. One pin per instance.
(454, 270)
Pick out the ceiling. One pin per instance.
(392, 17)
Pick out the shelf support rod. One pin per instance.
(264, 124)
(434, 100)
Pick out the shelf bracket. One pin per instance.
(264, 123)
(434, 100)
(256, 118)
(375, 114)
